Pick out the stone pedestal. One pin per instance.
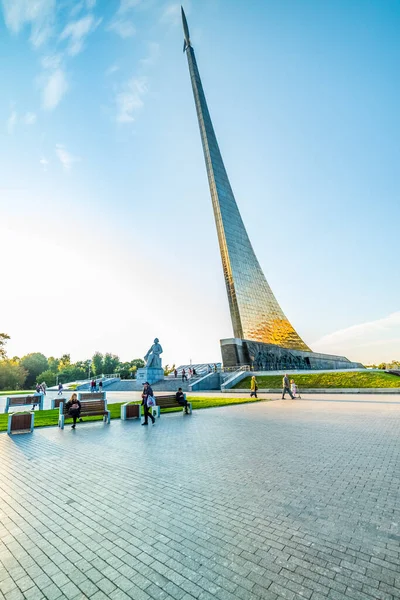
(150, 374)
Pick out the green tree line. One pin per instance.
(23, 373)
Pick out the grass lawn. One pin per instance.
(16, 392)
(357, 379)
(45, 418)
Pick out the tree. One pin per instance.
(124, 370)
(53, 364)
(12, 375)
(138, 363)
(97, 363)
(64, 362)
(3, 341)
(49, 377)
(35, 363)
(71, 373)
(110, 364)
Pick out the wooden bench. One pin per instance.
(20, 422)
(55, 402)
(31, 400)
(83, 396)
(169, 401)
(88, 409)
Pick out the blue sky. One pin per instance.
(107, 230)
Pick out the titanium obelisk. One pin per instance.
(255, 312)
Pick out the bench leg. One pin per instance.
(155, 411)
(189, 408)
(107, 417)
(61, 421)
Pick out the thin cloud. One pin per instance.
(122, 27)
(76, 33)
(54, 89)
(172, 14)
(111, 70)
(151, 58)
(122, 24)
(51, 61)
(66, 158)
(11, 122)
(44, 162)
(29, 118)
(38, 14)
(355, 332)
(130, 101)
(373, 341)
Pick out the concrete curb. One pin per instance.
(319, 391)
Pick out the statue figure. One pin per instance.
(152, 358)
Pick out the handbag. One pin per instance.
(151, 401)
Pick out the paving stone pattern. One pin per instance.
(274, 500)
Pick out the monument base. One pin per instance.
(269, 357)
(149, 374)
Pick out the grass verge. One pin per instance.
(357, 379)
(46, 418)
(16, 392)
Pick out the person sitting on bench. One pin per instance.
(180, 397)
(74, 409)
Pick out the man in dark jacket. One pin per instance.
(286, 387)
(147, 391)
(180, 397)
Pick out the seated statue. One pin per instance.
(152, 358)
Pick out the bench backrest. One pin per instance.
(56, 402)
(89, 407)
(83, 396)
(168, 400)
(23, 400)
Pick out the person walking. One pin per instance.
(184, 378)
(44, 387)
(100, 385)
(92, 385)
(73, 407)
(147, 392)
(175, 373)
(286, 388)
(60, 389)
(253, 387)
(293, 388)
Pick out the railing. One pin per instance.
(108, 376)
(237, 368)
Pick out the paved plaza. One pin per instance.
(272, 500)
